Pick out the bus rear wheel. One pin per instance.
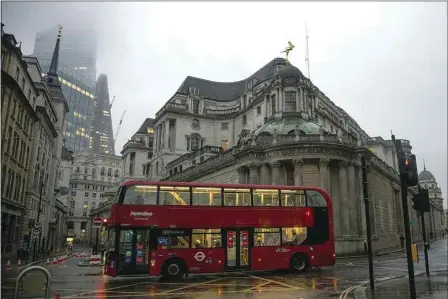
(299, 263)
(174, 268)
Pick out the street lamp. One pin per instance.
(37, 226)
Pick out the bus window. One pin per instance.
(174, 196)
(293, 236)
(267, 237)
(206, 196)
(177, 238)
(206, 238)
(140, 195)
(293, 198)
(265, 198)
(315, 199)
(236, 197)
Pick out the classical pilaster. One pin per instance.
(343, 199)
(352, 198)
(275, 167)
(166, 133)
(297, 100)
(253, 173)
(298, 171)
(360, 207)
(324, 174)
(264, 175)
(241, 175)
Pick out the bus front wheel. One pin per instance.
(299, 262)
(174, 268)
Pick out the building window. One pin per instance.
(259, 110)
(116, 173)
(73, 193)
(72, 204)
(224, 144)
(23, 83)
(244, 120)
(17, 74)
(109, 172)
(290, 101)
(103, 171)
(224, 126)
(86, 194)
(273, 107)
(196, 106)
(195, 142)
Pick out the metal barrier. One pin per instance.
(34, 281)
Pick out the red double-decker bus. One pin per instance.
(175, 228)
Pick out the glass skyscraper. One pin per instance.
(80, 97)
(78, 49)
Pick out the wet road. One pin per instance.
(71, 281)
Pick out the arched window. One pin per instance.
(86, 170)
(103, 171)
(77, 169)
(109, 172)
(195, 142)
(116, 173)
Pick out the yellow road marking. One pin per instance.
(148, 294)
(257, 286)
(101, 291)
(277, 282)
(191, 286)
(345, 293)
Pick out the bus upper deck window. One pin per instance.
(140, 195)
(293, 198)
(206, 196)
(236, 197)
(174, 196)
(266, 197)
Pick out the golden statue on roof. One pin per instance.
(288, 49)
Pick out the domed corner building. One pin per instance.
(276, 127)
(434, 220)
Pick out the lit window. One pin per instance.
(150, 130)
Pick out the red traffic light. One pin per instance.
(406, 162)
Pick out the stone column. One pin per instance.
(264, 175)
(275, 167)
(343, 199)
(360, 207)
(298, 171)
(166, 134)
(241, 175)
(351, 185)
(324, 174)
(253, 173)
(297, 100)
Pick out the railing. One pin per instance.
(174, 107)
(223, 112)
(208, 149)
(135, 142)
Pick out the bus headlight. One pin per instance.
(153, 263)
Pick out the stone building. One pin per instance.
(18, 119)
(137, 152)
(276, 127)
(91, 176)
(435, 219)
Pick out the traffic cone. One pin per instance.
(8, 265)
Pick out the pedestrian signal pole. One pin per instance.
(421, 204)
(408, 178)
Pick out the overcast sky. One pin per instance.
(383, 63)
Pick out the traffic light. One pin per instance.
(421, 201)
(409, 170)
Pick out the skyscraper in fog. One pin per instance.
(78, 50)
(101, 140)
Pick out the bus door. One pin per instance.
(133, 252)
(238, 242)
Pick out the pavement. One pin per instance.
(341, 281)
(434, 286)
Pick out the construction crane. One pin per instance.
(111, 103)
(119, 126)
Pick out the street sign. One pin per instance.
(97, 222)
